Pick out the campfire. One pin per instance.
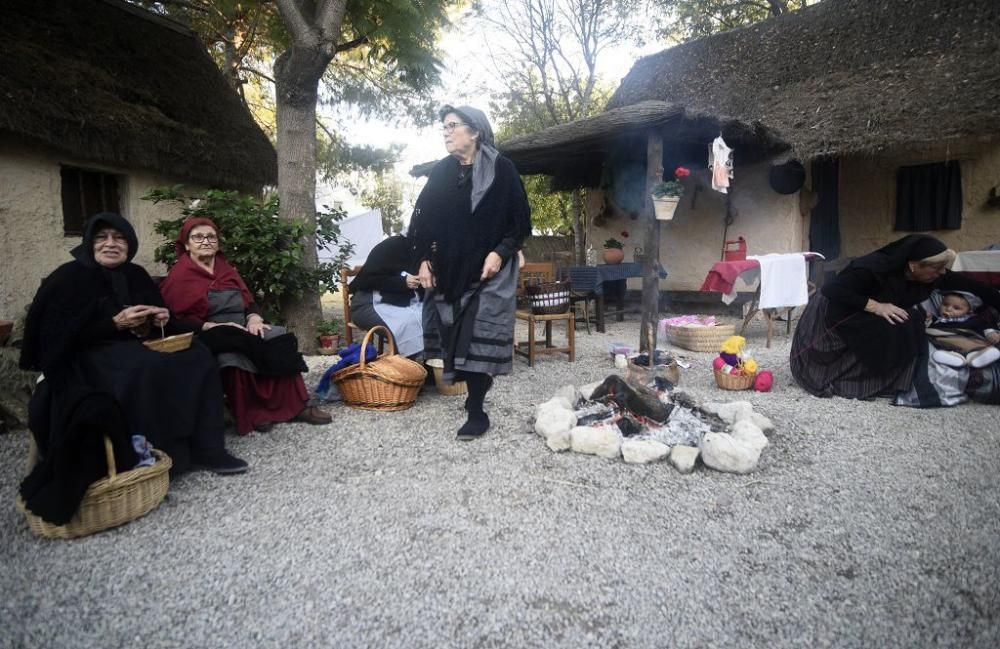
(642, 418)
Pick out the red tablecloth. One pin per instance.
(723, 274)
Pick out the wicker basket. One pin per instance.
(734, 381)
(550, 298)
(458, 387)
(177, 343)
(700, 339)
(390, 382)
(111, 501)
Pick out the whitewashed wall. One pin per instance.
(31, 224)
(692, 241)
(868, 198)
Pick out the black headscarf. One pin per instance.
(78, 293)
(893, 257)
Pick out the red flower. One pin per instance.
(682, 172)
(625, 234)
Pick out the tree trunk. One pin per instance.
(297, 72)
(650, 247)
(579, 229)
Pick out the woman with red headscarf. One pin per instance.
(260, 363)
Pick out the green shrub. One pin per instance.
(264, 249)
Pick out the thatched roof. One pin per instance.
(573, 153)
(838, 77)
(110, 83)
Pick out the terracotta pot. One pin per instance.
(614, 255)
(329, 342)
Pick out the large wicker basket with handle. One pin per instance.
(390, 382)
(111, 501)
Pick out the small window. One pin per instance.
(929, 197)
(85, 193)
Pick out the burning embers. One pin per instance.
(620, 418)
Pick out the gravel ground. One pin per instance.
(865, 525)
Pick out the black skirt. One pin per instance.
(824, 364)
(174, 399)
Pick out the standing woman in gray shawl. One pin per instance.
(467, 226)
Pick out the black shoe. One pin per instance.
(264, 427)
(220, 461)
(474, 428)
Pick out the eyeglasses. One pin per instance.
(202, 238)
(451, 126)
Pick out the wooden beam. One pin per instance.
(650, 246)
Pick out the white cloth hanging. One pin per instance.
(720, 161)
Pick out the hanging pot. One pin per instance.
(665, 206)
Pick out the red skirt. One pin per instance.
(256, 400)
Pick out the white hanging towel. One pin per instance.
(720, 161)
(782, 280)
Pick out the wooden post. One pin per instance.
(651, 246)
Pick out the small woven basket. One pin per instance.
(390, 382)
(550, 298)
(458, 387)
(170, 344)
(734, 381)
(111, 501)
(700, 339)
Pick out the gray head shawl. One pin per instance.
(484, 166)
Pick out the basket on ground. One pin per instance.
(734, 381)
(700, 339)
(458, 387)
(548, 298)
(177, 343)
(111, 501)
(390, 382)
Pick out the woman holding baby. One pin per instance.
(862, 334)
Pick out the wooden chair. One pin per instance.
(349, 327)
(539, 273)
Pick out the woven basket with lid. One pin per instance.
(700, 339)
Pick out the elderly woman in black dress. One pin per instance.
(467, 226)
(85, 329)
(861, 335)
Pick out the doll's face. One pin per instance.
(954, 306)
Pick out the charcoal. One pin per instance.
(638, 400)
(593, 412)
(629, 425)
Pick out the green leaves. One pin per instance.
(267, 251)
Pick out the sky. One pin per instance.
(465, 80)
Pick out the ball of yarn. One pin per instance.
(731, 359)
(764, 381)
(718, 363)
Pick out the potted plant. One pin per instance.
(667, 194)
(613, 251)
(328, 332)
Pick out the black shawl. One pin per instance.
(81, 296)
(456, 239)
(383, 270)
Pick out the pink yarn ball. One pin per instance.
(764, 381)
(718, 363)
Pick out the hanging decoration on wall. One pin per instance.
(720, 162)
(787, 178)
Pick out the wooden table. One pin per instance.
(591, 280)
(722, 277)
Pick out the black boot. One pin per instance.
(478, 423)
(219, 461)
